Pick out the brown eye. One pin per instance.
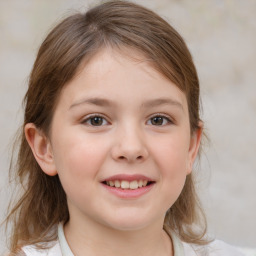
(159, 120)
(95, 121)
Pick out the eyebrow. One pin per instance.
(162, 101)
(150, 103)
(93, 101)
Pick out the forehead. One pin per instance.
(120, 71)
(121, 52)
(106, 56)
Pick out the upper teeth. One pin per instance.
(124, 184)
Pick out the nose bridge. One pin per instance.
(130, 142)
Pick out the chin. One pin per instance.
(129, 223)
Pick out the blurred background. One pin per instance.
(221, 35)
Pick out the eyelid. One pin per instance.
(89, 116)
(167, 117)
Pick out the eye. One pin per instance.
(159, 120)
(95, 121)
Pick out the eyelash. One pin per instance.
(164, 117)
(105, 122)
(90, 118)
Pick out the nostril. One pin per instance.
(129, 158)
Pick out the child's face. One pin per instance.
(121, 121)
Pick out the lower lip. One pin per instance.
(129, 193)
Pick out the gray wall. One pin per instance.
(222, 38)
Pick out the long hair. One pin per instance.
(120, 25)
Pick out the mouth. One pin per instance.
(128, 185)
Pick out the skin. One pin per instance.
(126, 94)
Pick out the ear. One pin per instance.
(194, 147)
(41, 148)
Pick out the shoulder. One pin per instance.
(215, 248)
(31, 250)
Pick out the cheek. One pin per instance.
(78, 161)
(171, 157)
(78, 156)
(172, 153)
(174, 169)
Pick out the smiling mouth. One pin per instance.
(124, 184)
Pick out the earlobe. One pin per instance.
(41, 148)
(194, 147)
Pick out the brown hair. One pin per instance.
(115, 24)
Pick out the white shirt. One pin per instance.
(216, 248)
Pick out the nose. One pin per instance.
(130, 145)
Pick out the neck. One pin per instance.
(94, 239)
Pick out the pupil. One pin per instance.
(157, 120)
(97, 121)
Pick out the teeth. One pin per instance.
(124, 184)
(140, 184)
(117, 184)
(134, 184)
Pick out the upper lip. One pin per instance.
(128, 177)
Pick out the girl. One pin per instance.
(111, 132)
